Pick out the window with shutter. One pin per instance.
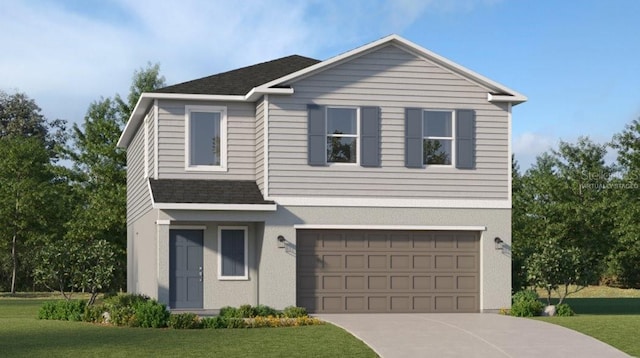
(343, 135)
(439, 137)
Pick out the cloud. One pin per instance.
(66, 54)
(528, 145)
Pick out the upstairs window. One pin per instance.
(440, 138)
(437, 137)
(342, 135)
(205, 136)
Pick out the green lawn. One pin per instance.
(620, 331)
(23, 335)
(611, 315)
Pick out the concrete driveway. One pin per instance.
(468, 335)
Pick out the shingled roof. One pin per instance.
(206, 191)
(242, 80)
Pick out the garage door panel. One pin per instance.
(466, 262)
(444, 262)
(423, 262)
(400, 262)
(354, 262)
(377, 282)
(400, 241)
(377, 304)
(355, 282)
(377, 262)
(387, 271)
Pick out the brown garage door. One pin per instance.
(387, 271)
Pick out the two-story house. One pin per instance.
(378, 180)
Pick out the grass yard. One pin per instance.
(620, 331)
(611, 315)
(23, 335)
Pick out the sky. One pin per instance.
(577, 61)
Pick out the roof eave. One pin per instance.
(258, 92)
(514, 99)
(215, 207)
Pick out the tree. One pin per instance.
(565, 197)
(100, 167)
(624, 259)
(560, 267)
(68, 266)
(25, 195)
(20, 116)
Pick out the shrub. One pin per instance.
(235, 322)
(63, 310)
(94, 313)
(184, 321)
(294, 312)
(216, 322)
(229, 312)
(564, 310)
(265, 311)
(526, 304)
(151, 313)
(246, 311)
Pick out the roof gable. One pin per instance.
(498, 92)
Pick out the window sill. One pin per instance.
(233, 278)
(205, 169)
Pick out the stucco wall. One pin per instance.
(274, 282)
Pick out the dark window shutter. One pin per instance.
(413, 138)
(317, 136)
(465, 139)
(370, 136)
(232, 247)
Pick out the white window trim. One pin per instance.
(356, 136)
(452, 138)
(223, 138)
(245, 229)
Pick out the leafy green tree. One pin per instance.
(20, 116)
(69, 266)
(25, 197)
(565, 196)
(624, 259)
(522, 243)
(561, 268)
(100, 168)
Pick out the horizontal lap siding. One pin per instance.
(151, 141)
(392, 80)
(138, 199)
(260, 145)
(241, 141)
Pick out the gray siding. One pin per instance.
(151, 142)
(260, 145)
(138, 199)
(393, 80)
(241, 141)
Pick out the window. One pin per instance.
(342, 135)
(205, 138)
(437, 137)
(232, 253)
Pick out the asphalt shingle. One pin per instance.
(242, 80)
(206, 191)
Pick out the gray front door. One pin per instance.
(185, 268)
